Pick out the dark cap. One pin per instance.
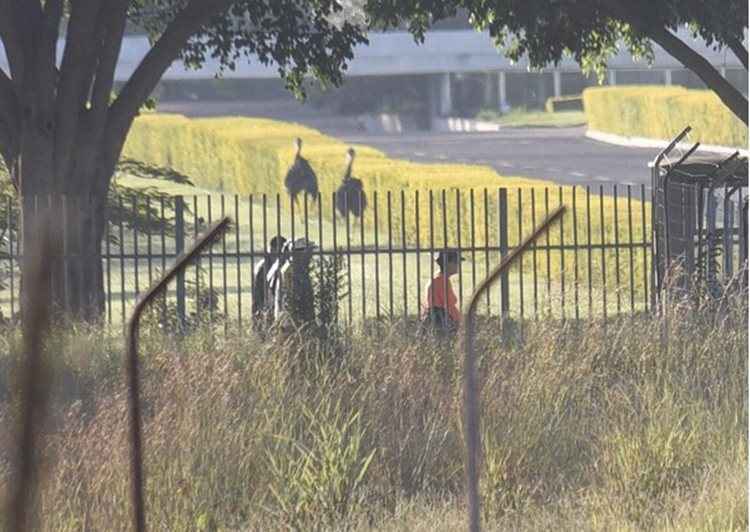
(448, 255)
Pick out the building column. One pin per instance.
(445, 98)
(557, 81)
(667, 77)
(612, 76)
(502, 93)
(488, 91)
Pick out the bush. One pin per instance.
(564, 103)
(662, 112)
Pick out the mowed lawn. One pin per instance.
(385, 278)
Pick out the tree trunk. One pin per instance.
(76, 219)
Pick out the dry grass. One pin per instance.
(584, 427)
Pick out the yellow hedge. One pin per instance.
(251, 156)
(662, 112)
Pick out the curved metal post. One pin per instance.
(134, 411)
(471, 400)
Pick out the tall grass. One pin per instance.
(594, 426)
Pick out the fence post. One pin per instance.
(179, 237)
(503, 228)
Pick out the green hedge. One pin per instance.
(660, 112)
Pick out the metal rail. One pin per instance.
(471, 400)
(134, 410)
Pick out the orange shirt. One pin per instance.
(440, 294)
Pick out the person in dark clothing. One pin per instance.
(262, 297)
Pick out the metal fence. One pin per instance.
(595, 263)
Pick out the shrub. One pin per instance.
(662, 112)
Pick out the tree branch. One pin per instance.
(739, 50)
(152, 68)
(112, 29)
(10, 29)
(9, 124)
(76, 70)
(692, 60)
(8, 104)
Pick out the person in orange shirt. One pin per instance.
(439, 309)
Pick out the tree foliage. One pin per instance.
(589, 30)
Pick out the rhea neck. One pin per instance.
(349, 164)
(298, 151)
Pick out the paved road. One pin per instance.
(562, 155)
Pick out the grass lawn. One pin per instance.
(523, 118)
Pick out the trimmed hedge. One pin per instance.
(564, 103)
(251, 156)
(662, 112)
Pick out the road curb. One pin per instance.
(643, 142)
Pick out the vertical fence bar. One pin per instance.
(419, 252)
(319, 199)
(487, 244)
(179, 237)
(377, 252)
(334, 219)
(251, 229)
(617, 247)
(432, 242)
(588, 251)
(444, 204)
(519, 223)
(432, 236)
(502, 225)
(404, 272)
(390, 255)
(239, 262)
(728, 243)
(562, 255)
(212, 300)
(458, 245)
(135, 244)
(630, 251)
(348, 257)
(108, 252)
(149, 247)
(291, 216)
(197, 269)
(473, 239)
(575, 256)
(361, 198)
(224, 266)
(265, 223)
(163, 239)
(645, 247)
(549, 252)
(121, 235)
(604, 251)
(534, 256)
(307, 217)
(11, 259)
